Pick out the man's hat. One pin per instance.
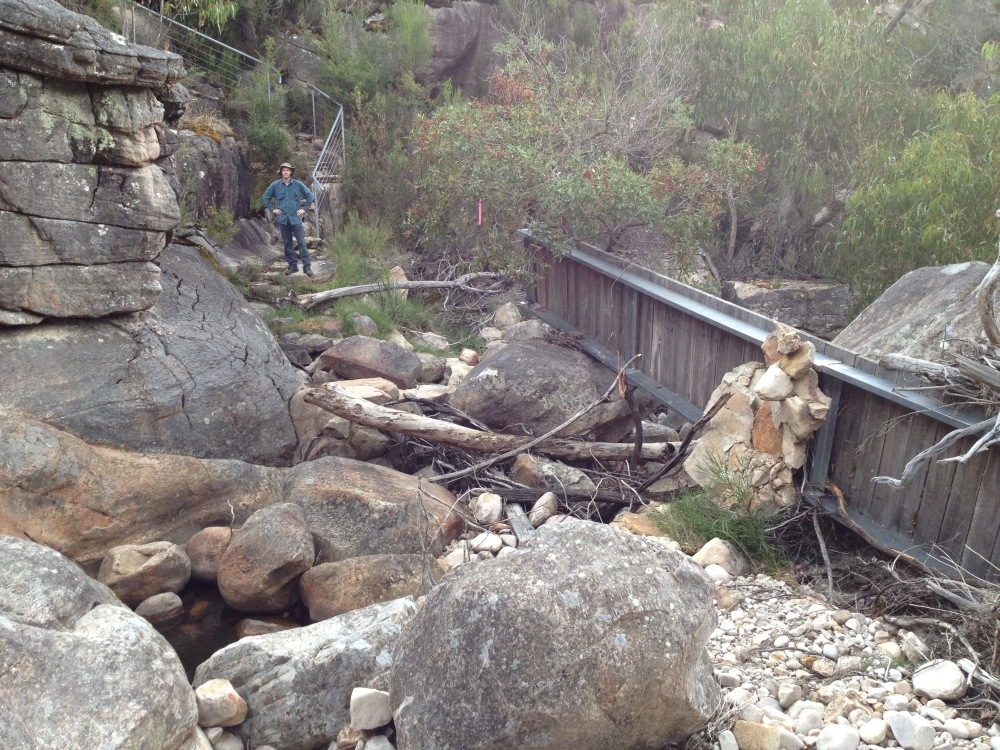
(289, 166)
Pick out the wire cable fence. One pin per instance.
(230, 68)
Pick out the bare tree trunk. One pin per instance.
(984, 301)
(337, 401)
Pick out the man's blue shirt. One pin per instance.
(287, 198)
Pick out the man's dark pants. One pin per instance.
(300, 235)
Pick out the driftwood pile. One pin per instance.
(476, 455)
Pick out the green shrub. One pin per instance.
(931, 202)
(219, 225)
(537, 160)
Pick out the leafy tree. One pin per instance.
(541, 156)
(928, 203)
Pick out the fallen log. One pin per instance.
(337, 401)
(308, 301)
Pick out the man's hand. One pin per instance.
(300, 212)
(277, 212)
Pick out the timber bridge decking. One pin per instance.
(689, 339)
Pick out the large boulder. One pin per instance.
(365, 357)
(335, 588)
(83, 207)
(355, 508)
(43, 37)
(918, 312)
(260, 568)
(83, 500)
(593, 637)
(297, 683)
(538, 386)
(816, 307)
(463, 34)
(45, 590)
(214, 172)
(81, 670)
(198, 374)
(135, 572)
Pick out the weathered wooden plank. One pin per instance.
(903, 504)
(886, 501)
(956, 519)
(869, 453)
(847, 438)
(978, 548)
(924, 520)
(519, 523)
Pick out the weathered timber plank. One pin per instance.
(983, 528)
(519, 523)
(924, 520)
(869, 454)
(905, 502)
(886, 501)
(844, 457)
(956, 520)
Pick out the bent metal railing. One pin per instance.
(946, 516)
(229, 67)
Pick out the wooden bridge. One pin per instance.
(688, 339)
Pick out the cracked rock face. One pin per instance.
(198, 374)
(83, 207)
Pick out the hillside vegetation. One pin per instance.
(783, 138)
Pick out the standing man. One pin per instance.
(287, 195)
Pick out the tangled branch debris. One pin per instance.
(309, 301)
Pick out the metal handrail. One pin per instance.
(331, 161)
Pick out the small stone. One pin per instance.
(487, 508)
(434, 340)
(957, 729)
(507, 315)
(456, 557)
(838, 737)
(364, 326)
(774, 385)
(873, 731)
(544, 508)
(509, 540)
(506, 551)
(751, 736)
(228, 741)
(727, 741)
(807, 721)
(487, 542)
(824, 667)
(914, 647)
(395, 337)
(347, 739)
(728, 679)
(720, 575)
(912, 732)
(789, 693)
(840, 616)
(719, 552)
(891, 650)
(162, 611)
(490, 333)
(830, 652)
(219, 705)
(369, 709)
(378, 742)
(469, 357)
(213, 734)
(895, 703)
(789, 741)
(941, 679)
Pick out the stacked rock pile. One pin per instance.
(763, 429)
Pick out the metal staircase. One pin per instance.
(229, 67)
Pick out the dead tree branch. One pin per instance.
(337, 401)
(309, 301)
